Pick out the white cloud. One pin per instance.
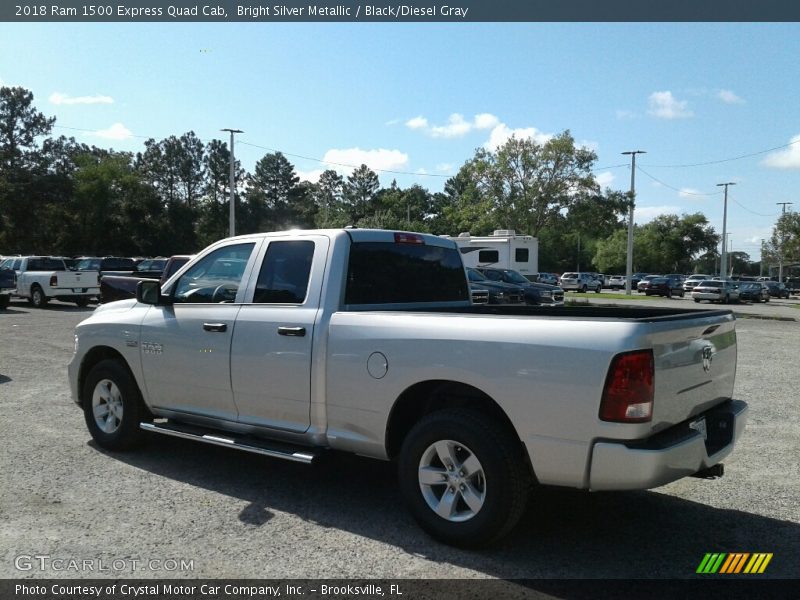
(422, 171)
(417, 123)
(605, 179)
(624, 115)
(445, 167)
(645, 214)
(486, 121)
(588, 145)
(502, 133)
(456, 127)
(728, 97)
(344, 160)
(391, 122)
(310, 176)
(117, 131)
(58, 98)
(663, 105)
(788, 158)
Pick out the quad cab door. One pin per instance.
(185, 346)
(271, 353)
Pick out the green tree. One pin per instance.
(359, 192)
(529, 183)
(328, 194)
(269, 193)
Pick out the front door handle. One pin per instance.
(219, 327)
(292, 331)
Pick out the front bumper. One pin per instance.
(672, 454)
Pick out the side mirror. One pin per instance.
(148, 291)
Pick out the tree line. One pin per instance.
(60, 196)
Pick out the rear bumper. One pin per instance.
(678, 452)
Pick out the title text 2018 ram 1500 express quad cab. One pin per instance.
(365, 341)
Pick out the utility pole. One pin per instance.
(783, 241)
(629, 259)
(232, 210)
(723, 259)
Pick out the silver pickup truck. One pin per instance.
(365, 341)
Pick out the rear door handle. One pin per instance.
(215, 327)
(292, 331)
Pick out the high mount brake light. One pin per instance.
(408, 238)
(628, 393)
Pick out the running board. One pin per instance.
(228, 440)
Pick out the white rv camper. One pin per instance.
(503, 249)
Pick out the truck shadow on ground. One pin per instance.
(564, 534)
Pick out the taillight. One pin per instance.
(628, 393)
(408, 238)
(53, 281)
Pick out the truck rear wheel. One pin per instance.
(38, 299)
(112, 406)
(4, 301)
(463, 477)
(82, 302)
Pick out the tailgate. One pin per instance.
(695, 366)
(77, 279)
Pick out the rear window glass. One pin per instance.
(46, 264)
(716, 284)
(388, 273)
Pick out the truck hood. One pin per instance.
(118, 306)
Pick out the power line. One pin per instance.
(680, 191)
(724, 160)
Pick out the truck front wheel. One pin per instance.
(112, 406)
(463, 477)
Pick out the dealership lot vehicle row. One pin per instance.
(211, 513)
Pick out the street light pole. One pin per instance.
(232, 209)
(723, 259)
(629, 259)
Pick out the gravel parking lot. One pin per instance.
(242, 516)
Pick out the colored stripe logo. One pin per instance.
(733, 563)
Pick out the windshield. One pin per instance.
(88, 264)
(515, 277)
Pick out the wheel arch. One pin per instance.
(97, 355)
(426, 397)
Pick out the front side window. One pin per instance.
(285, 272)
(215, 278)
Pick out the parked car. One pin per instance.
(499, 292)
(8, 285)
(754, 291)
(617, 282)
(40, 278)
(663, 286)
(636, 278)
(108, 265)
(579, 282)
(693, 280)
(120, 287)
(548, 278)
(716, 291)
(640, 287)
(534, 293)
(364, 341)
(777, 290)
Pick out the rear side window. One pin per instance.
(387, 273)
(521, 255)
(488, 256)
(284, 274)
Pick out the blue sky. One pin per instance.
(420, 98)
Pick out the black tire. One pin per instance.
(669, 294)
(4, 301)
(598, 289)
(583, 289)
(505, 477)
(683, 293)
(697, 300)
(38, 298)
(82, 302)
(126, 434)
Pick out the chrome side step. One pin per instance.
(229, 440)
